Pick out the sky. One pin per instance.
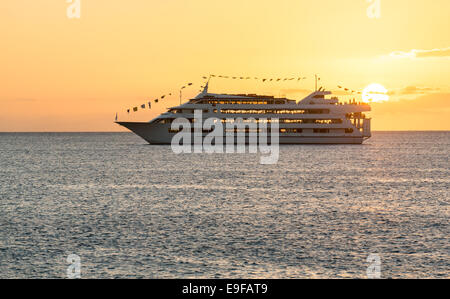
(74, 74)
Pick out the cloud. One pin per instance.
(445, 52)
(413, 90)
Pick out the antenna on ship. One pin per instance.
(181, 89)
(205, 89)
(317, 79)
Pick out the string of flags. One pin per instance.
(157, 100)
(348, 90)
(263, 79)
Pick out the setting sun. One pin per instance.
(375, 93)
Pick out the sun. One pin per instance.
(375, 93)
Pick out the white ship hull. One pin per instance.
(159, 134)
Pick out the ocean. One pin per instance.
(127, 209)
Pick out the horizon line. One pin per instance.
(96, 132)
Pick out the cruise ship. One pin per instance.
(317, 119)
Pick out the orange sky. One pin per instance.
(61, 74)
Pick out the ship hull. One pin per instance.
(159, 134)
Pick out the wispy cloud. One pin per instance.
(445, 52)
(413, 90)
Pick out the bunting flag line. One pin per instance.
(135, 109)
(349, 90)
(254, 78)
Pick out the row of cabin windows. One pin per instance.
(248, 130)
(288, 121)
(282, 121)
(311, 121)
(347, 131)
(235, 130)
(242, 102)
(253, 111)
(290, 130)
(189, 110)
(275, 111)
(192, 130)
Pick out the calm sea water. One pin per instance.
(133, 210)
